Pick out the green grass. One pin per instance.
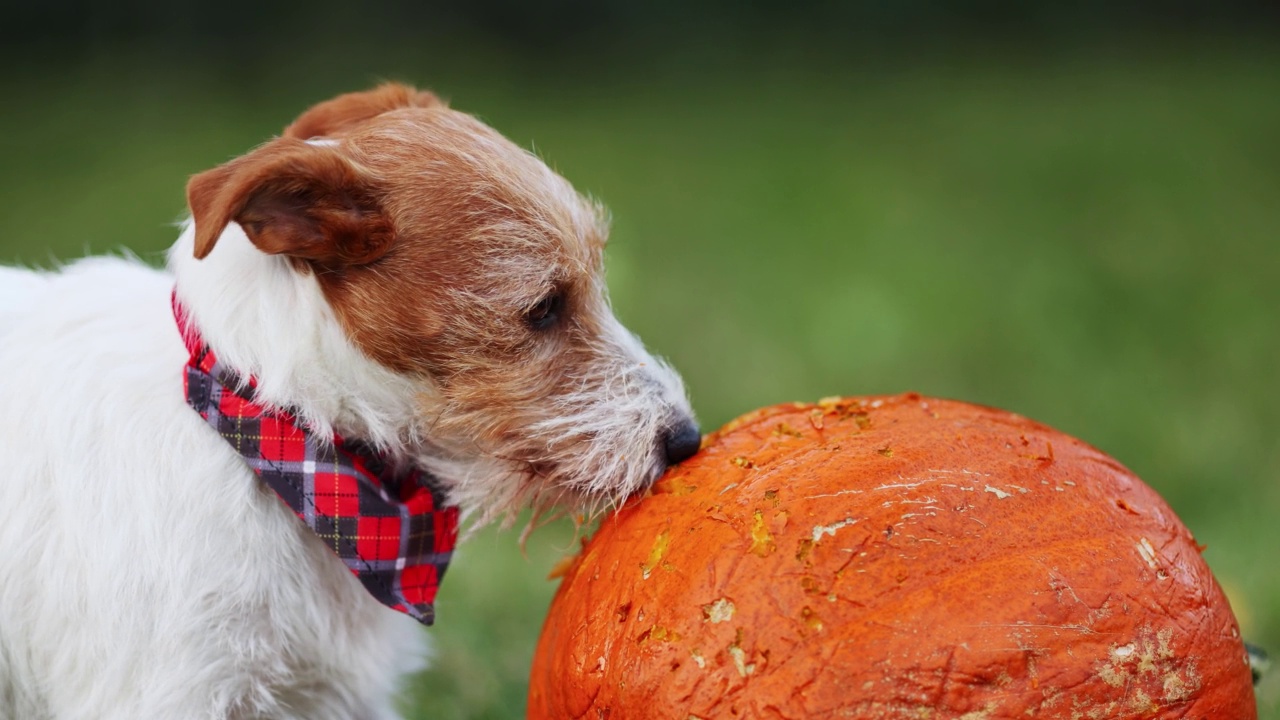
(1093, 241)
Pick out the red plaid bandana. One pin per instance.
(391, 529)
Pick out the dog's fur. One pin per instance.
(389, 269)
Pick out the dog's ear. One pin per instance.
(294, 199)
(333, 116)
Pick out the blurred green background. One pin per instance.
(1070, 211)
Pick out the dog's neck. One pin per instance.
(267, 320)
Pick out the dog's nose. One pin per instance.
(682, 441)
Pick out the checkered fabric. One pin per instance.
(392, 530)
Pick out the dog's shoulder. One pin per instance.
(19, 290)
(72, 335)
(102, 284)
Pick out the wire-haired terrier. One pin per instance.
(219, 479)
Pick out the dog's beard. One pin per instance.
(580, 458)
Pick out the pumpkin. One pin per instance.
(891, 557)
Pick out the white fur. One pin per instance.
(267, 320)
(145, 573)
(18, 290)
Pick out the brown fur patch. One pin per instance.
(484, 231)
(345, 111)
(467, 230)
(292, 199)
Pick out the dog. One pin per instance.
(388, 273)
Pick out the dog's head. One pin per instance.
(467, 273)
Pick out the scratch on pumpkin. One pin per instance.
(719, 611)
(820, 530)
(983, 714)
(761, 539)
(660, 545)
(1147, 552)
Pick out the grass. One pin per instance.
(1090, 240)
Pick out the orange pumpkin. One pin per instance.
(895, 557)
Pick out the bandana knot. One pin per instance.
(391, 528)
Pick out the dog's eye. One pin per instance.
(546, 313)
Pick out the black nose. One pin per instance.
(682, 441)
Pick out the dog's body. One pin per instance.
(145, 571)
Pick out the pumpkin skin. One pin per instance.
(892, 557)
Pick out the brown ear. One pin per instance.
(292, 199)
(333, 116)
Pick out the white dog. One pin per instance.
(390, 279)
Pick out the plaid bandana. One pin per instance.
(391, 529)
